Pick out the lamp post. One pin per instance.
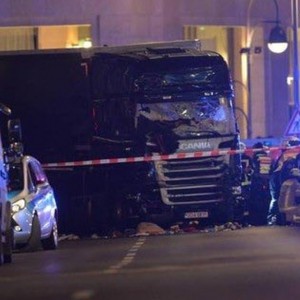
(277, 43)
(277, 39)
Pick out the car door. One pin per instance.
(43, 198)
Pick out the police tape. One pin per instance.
(156, 157)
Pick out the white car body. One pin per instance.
(34, 208)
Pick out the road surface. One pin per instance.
(250, 263)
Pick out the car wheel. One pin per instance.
(34, 242)
(9, 237)
(51, 242)
(8, 246)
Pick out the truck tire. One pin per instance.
(121, 215)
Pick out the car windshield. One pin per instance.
(15, 177)
(209, 116)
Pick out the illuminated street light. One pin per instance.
(277, 40)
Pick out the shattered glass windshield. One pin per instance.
(182, 76)
(209, 116)
(189, 96)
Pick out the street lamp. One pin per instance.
(277, 43)
(277, 39)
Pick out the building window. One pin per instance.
(45, 37)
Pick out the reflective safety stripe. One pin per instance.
(214, 152)
(264, 165)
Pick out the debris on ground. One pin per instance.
(146, 228)
(95, 236)
(175, 229)
(117, 234)
(228, 226)
(68, 237)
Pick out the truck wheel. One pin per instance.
(34, 242)
(51, 242)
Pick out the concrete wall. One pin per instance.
(123, 21)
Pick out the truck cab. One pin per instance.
(169, 98)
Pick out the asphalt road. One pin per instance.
(250, 263)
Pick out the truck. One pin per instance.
(6, 232)
(165, 99)
(168, 98)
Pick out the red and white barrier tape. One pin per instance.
(217, 152)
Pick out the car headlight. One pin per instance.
(18, 205)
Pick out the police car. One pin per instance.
(34, 209)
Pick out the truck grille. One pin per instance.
(191, 181)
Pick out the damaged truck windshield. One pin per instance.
(188, 101)
(164, 100)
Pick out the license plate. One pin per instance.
(196, 215)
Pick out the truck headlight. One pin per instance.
(18, 205)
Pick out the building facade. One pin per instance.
(264, 99)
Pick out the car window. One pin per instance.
(37, 173)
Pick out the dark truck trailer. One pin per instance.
(50, 92)
(137, 100)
